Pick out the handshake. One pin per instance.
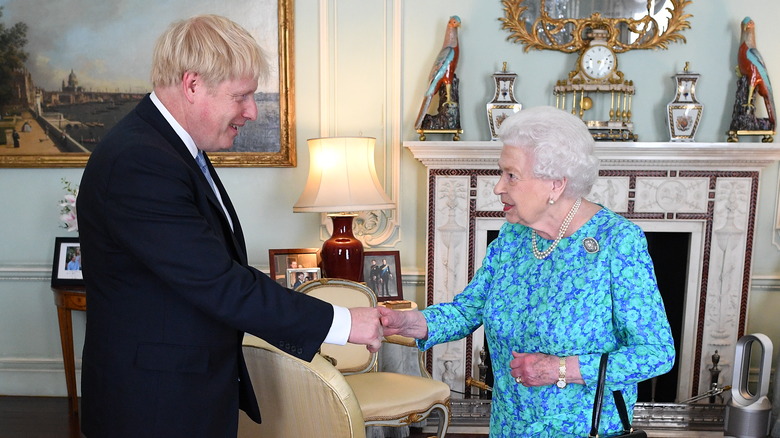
(371, 324)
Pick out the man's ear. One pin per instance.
(190, 82)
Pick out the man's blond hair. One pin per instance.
(214, 47)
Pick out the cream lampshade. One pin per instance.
(342, 180)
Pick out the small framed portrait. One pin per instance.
(298, 276)
(382, 273)
(66, 268)
(281, 260)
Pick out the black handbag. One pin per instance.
(628, 431)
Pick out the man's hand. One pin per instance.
(366, 328)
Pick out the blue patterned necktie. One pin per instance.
(205, 169)
(201, 160)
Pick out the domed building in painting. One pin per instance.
(72, 85)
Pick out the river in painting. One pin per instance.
(88, 123)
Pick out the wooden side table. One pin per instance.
(67, 300)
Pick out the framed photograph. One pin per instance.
(61, 108)
(382, 273)
(283, 260)
(66, 268)
(298, 276)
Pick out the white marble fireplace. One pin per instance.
(708, 190)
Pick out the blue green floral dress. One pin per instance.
(574, 302)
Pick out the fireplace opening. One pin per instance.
(669, 252)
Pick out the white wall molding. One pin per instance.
(339, 105)
(766, 283)
(31, 272)
(776, 231)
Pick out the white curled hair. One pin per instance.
(560, 145)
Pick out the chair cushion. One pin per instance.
(384, 396)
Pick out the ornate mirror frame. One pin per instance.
(572, 34)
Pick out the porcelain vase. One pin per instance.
(684, 112)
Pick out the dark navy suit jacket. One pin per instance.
(170, 293)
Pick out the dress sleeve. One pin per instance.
(459, 318)
(646, 346)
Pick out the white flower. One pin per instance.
(68, 206)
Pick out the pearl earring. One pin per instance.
(551, 201)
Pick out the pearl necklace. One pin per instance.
(564, 226)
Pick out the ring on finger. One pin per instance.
(519, 380)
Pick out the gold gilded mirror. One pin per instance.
(565, 25)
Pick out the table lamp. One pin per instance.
(342, 180)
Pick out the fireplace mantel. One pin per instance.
(722, 156)
(709, 190)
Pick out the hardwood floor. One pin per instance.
(37, 417)
(48, 417)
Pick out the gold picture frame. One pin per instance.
(285, 156)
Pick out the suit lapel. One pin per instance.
(152, 115)
(238, 235)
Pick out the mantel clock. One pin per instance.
(595, 83)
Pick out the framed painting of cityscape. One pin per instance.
(71, 73)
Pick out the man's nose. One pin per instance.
(250, 112)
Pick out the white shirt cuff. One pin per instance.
(341, 326)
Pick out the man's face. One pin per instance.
(218, 112)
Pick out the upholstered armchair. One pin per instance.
(298, 398)
(385, 398)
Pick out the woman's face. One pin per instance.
(524, 196)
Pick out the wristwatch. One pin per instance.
(561, 373)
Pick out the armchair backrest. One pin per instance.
(350, 358)
(298, 398)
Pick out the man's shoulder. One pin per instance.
(136, 132)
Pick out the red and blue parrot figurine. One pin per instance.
(751, 65)
(443, 71)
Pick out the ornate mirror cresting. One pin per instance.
(566, 25)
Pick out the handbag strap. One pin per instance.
(622, 411)
(596, 418)
(620, 403)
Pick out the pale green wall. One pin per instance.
(30, 356)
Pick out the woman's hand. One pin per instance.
(409, 323)
(539, 369)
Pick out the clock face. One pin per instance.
(597, 62)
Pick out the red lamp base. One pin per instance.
(342, 254)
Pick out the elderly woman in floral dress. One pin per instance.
(565, 281)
